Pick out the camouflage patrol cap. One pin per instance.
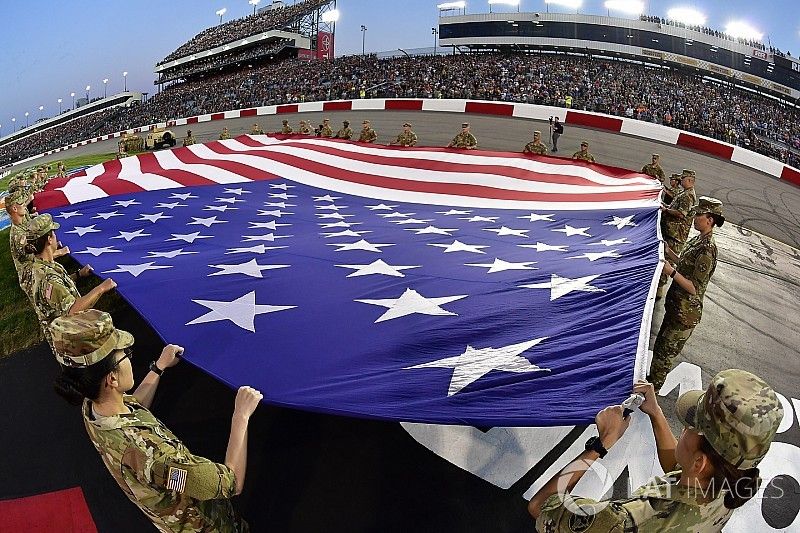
(689, 172)
(284, 121)
(537, 132)
(86, 338)
(19, 196)
(738, 414)
(40, 225)
(465, 124)
(657, 156)
(406, 124)
(584, 143)
(711, 206)
(675, 177)
(346, 122)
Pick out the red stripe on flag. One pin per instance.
(705, 145)
(149, 164)
(576, 118)
(482, 108)
(791, 175)
(246, 171)
(291, 108)
(49, 199)
(403, 105)
(337, 106)
(248, 112)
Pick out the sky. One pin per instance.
(52, 48)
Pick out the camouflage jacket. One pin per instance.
(325, 131)
(344, 133)
(368, 136)
(287, 129)
(17, 241)
(661, 505)
(406, 139)
(674, 228)
(178, 491)
(535, 148)
(188, 141)
(464, 140)
(224, 135)
(583, 156)
(655, 171)
(305, 130)
(697, 264)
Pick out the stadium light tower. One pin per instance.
(687, 15)
(59, 105)
(26, 118)
(105, 87)
(570, 4)
(331, 16)
(221, 12)
(14, 124)
(125, 80)
(628, 7)
(435, 33)
(510, 3)
(739, 29)
(73, 99)
(254, 3)
(363, 40)
(88, 87)
(41, 109)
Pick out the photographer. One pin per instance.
(556, 131)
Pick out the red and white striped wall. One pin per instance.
(627, 126)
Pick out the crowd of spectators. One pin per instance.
(652, 94)
(265, 20)
(703, 29)
(220, 61)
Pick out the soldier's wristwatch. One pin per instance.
(596, 445)
(154, 368)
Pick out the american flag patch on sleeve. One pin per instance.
(176, 479)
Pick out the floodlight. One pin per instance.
(452, 5)
(41, 108)
(222, 11)
(741, 29)
(629, 7)
(254, 3)
(572, 4)
(330, 16)
(687, 15)
(513, 3)
(88, 87)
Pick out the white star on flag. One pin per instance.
(326, 198)
(282, 186)
(500, 266)
(220, 208)
(241, 311)
(126, 203)
(380, 207)
(594, 256)
(396, 215)
(250, 268)
(278, 213)
(130, 235)
(478, 218)
(544, 247)
(260, 249)
(207, 222)
(282, 205)
(100, 251)
(473, 364)
(411, 221)
(340, 224)
(135, 270)
(503, 231)
(562, 286)
(154, 217)
(335, 216)
(332, 207)
(411, 302)
(432, 230)
(238, 192)
(533, 217)
(360, 245)
(606, 242)
(172, 205)
(345, 233)
(267, 225)
(69, 214)
(453, 212)
(183, 196)
(189, 237)
(378, 267)
(231, 200)
(282, 195)
(270, 237)
(570, 231)
(106, 216)
(83, 230)
(620, 222)
(168, 255)
(458, 246)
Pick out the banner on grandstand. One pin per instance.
(325, 45)
(425, 284)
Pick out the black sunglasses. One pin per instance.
(128, 355)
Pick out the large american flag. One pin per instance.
(424, 284)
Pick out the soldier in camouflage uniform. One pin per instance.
(224, 135)
(368, 135)
(536, 146)
(671, 189)
(177, 490)
(189, 139)
(286, 129)
(305, 129)
(676, 221)
(406, 137)
(61, 171)
(49, 287)
(465, 139)
(654, 169)
(346, 132)
(325, 130)
(728, 430)
(583, 154)
(18, 213)
(256, 130)
(683, 305)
